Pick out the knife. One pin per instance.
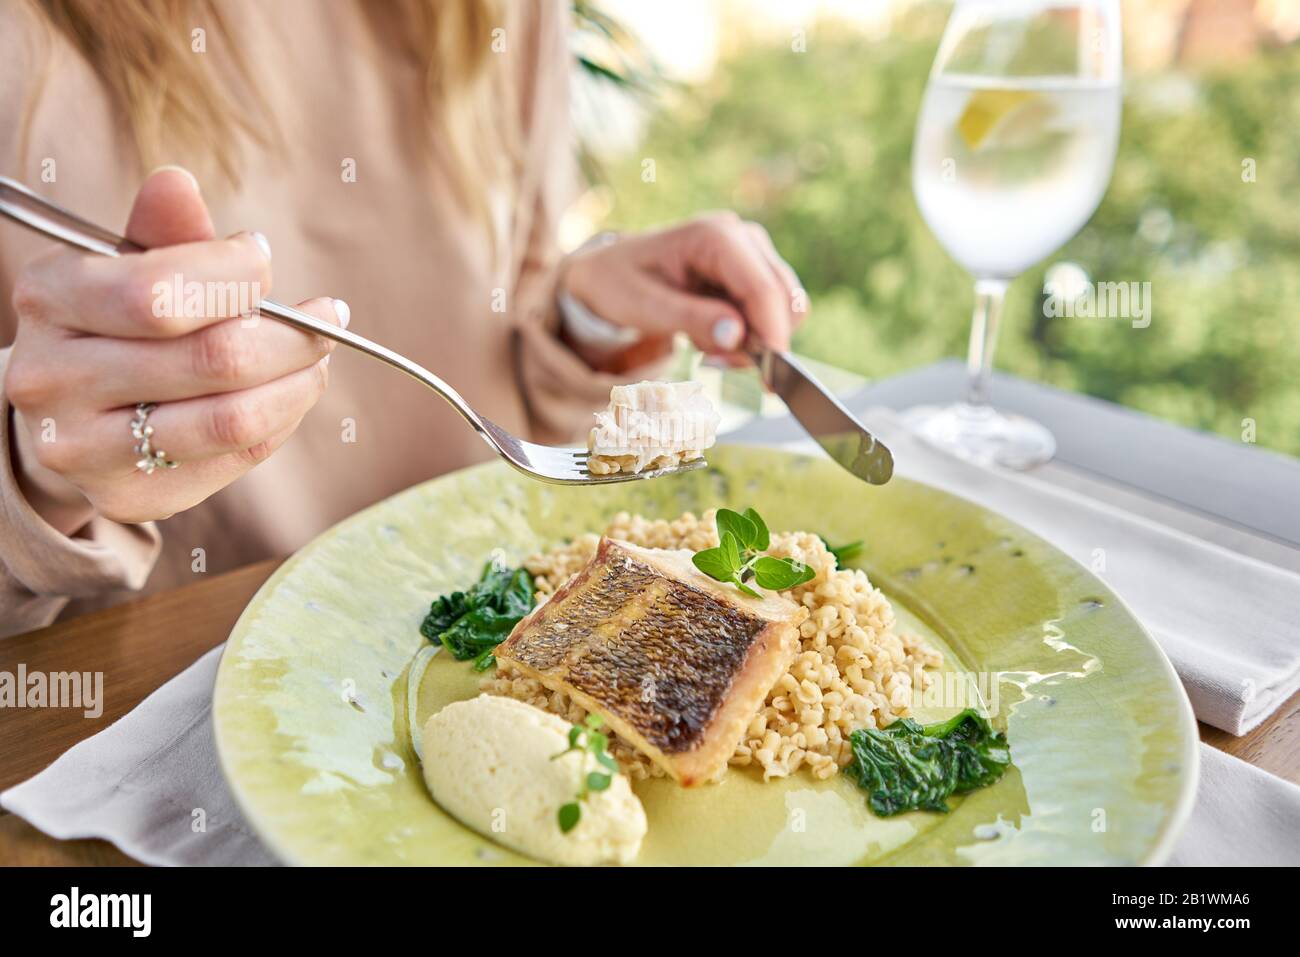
(831, 425)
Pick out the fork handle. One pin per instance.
(35, 212)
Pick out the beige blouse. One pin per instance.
(417, 276)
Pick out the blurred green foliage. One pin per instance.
(817, 147)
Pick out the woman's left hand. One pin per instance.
(716, 278)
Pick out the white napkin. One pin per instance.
(1243, 817)
(150, 783)
(138, 783)
(1229, 623)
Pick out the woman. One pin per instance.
(399, 164)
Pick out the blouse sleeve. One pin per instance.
(560, 390)
(41, 568)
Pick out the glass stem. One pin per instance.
(989, 294)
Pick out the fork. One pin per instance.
(560, 466)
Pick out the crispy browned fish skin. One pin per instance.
(676, 663)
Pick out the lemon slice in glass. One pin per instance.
(989, 110)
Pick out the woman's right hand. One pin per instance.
(95, 337)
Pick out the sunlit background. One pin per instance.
(801, 115)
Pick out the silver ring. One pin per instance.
(149, 457)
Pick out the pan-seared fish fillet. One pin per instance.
(676, 663)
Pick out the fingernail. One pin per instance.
(343, 311)
(728, 333)
(263, 244)
(180, 169)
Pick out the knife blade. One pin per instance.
(843, 437)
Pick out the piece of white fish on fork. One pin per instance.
(652, 425)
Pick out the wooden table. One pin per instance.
(142, 644)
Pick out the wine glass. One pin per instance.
(1013, 151)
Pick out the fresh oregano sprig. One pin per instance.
(587, 737)
(739, 558)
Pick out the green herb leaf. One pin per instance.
(714, 563)
(730, 550)
(607, 759)
(908, 767)
(569, 815)
(486, 659)
(595, 743)
(763, 538)
(738, 559)
(740, 526)
(778, 574)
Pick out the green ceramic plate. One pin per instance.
(311, 708)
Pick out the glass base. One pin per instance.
(982, 434)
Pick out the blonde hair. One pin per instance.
(140, 51)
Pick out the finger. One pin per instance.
(147, 497)
(714, 325)
(168, 210)
(784, 272)
(725, 256)
(643, 352)
(731, 360)
(194, 430)
(224, 357)
(161, 293)
(224, 469)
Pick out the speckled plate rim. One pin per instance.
(1157, 855)
(1182, 812)
(265, 835)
